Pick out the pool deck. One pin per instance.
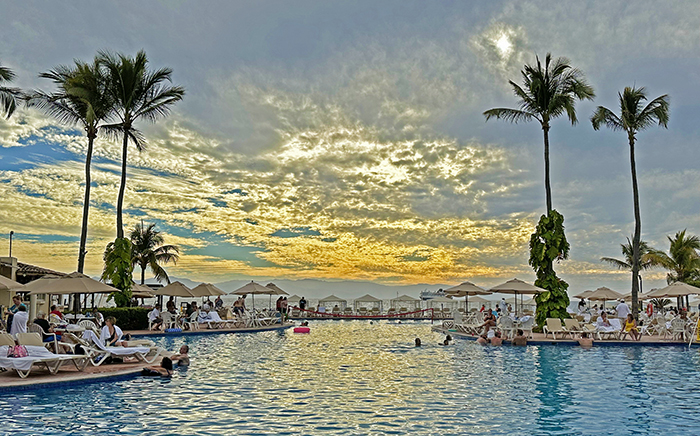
(208, 331)
(69, 375)
(540, 339)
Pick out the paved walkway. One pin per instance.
(540, 339)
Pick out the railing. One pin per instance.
(351, 316)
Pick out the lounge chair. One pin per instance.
(99, 352)
(613, 331)
(506, 326)
(37, 355)
(554, 326)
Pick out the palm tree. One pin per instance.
(546, 94)
(8, 96)
(138, 93)
(634, 118)
(81, 99)
(149, 252)
(682, 260)
(626, 263)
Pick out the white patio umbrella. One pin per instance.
(604, 294)
(466, 289)
(677, 289)
(141, 291)
(206, 290)
(253, 289)
(515, 287)
(174, 289)
(73, 283)
(9, 284)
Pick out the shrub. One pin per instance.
(128, 318)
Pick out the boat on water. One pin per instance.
(429, 295)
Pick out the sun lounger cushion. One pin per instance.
(35, 354)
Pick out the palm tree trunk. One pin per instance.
(122, 187)
(143, 274)
(86, 205)
(547, 187)
(637, 232)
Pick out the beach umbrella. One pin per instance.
(677, 289)
(206, 290)
(275, 289)
(515, 287)
(9, 284)
(466, 289)
(604, 294)
(583, 295)
(254, 289)
(141, 291)
(73, 283)
(174, 289)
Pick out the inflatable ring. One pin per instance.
(650, 309)
(302, 329)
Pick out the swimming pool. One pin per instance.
(353, 377)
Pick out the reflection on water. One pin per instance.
(353, 377)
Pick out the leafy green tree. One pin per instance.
(549, 244)
(682, 260)
(546, 94)
(8, 95)
(81, 98)
(118, 269)
(138, 93)
(149, 251)
(634, 117)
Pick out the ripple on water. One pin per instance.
(360, 378)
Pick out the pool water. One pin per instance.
(353, 377)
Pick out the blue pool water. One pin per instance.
(354, 377)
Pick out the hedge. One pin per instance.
(128, 318)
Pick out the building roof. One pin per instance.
(27, 273)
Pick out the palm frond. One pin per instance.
(512, 115)
(617, 263)
(604, 116)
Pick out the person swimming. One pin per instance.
(418, 342)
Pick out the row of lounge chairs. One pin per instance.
(471, 324)
(95, 351)
(229, 321)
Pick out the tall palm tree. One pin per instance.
(81, 99)
(149, 252)
(138, 93)
(633, 118)
(8, 95)
(547, 93)
(682, 260)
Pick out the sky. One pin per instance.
(345, 141)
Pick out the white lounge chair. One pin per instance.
(554, 326)
(38, 355)
(99, 352)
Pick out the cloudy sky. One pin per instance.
(345, 141)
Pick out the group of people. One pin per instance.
(497, 339)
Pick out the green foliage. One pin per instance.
(128, 318)
(118, 269)
(149, 251)
(660, 303)
(548, 244)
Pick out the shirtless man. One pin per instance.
(519, 339)
(497, 340)
(585, 341)
(483, 340)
